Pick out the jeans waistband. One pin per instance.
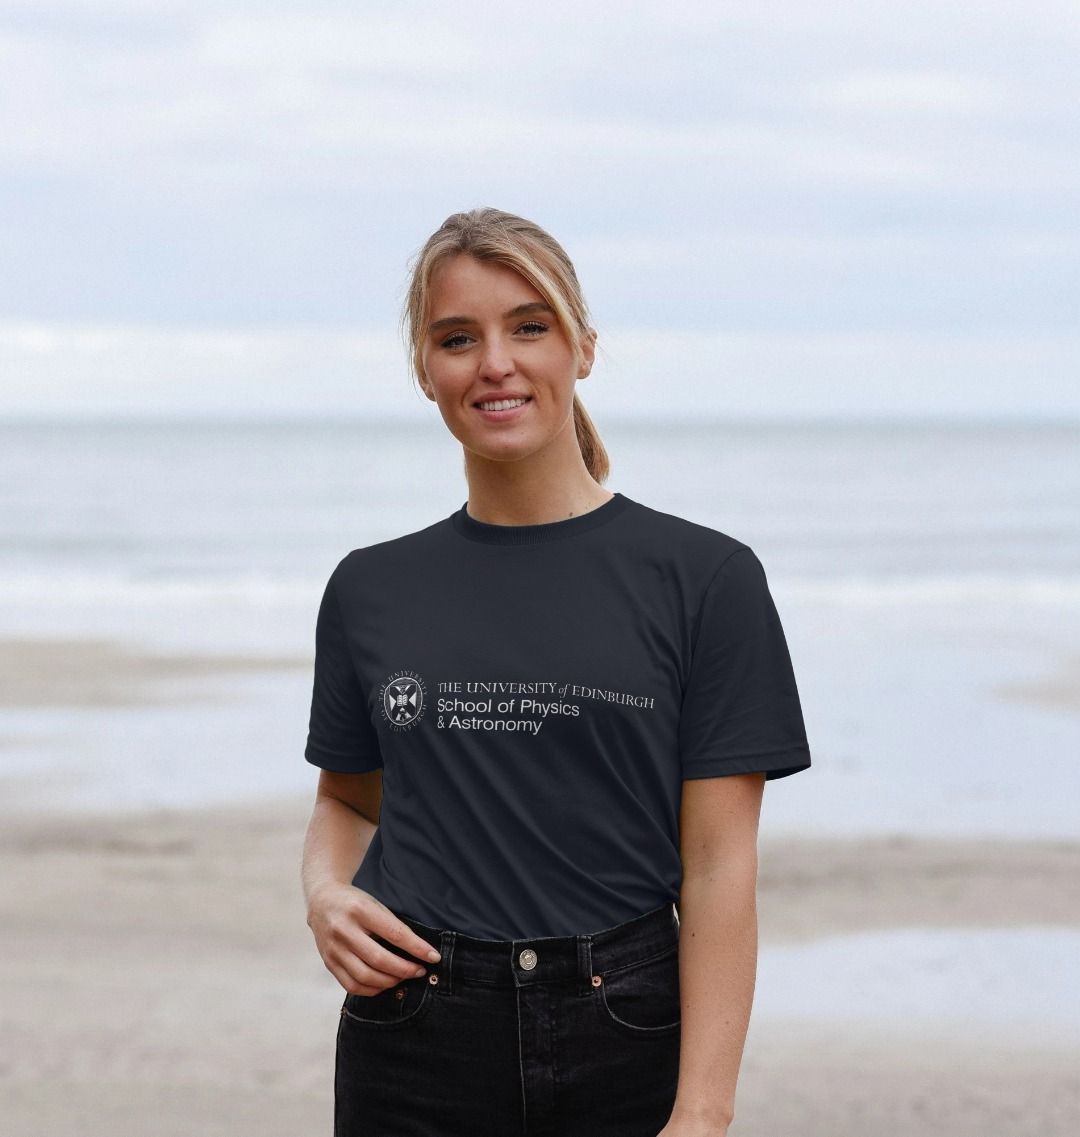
(544, 959)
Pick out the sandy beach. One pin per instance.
(158, 976)
(63, 672)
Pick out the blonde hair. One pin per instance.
(503, 238)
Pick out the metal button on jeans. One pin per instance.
(527, 959)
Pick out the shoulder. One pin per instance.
(389, 558)
(686, 542)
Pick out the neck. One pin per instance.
(536, 490)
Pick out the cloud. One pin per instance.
(934, 92)
(237, 96)
(863, 167)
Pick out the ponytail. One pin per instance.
(592, 449)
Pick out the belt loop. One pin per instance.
(584, 960)
(446, 964)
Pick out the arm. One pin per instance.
(717, 946)
(341, 916)
(343, 822)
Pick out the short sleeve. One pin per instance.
(741, 712)
(341, 736)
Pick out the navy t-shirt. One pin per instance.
(535, 696)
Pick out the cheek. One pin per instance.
(448, 382)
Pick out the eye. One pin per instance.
(458, 339)
(533, 328)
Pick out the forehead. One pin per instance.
(464, 283)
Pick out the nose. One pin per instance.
(496, 361)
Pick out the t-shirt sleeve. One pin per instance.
(341, 736)
(741, 712)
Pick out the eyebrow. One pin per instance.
(520, 310)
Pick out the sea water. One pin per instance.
(924, 572)
(1009, 983)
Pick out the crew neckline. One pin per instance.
(492, 534)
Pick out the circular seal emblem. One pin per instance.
(403, 698)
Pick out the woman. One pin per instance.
(541, 722)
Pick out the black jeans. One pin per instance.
(560, 1036)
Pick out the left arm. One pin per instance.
(718, 935)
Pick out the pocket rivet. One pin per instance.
(399, 993)
(596, 981)
(433, 979)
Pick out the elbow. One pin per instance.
(724, 862)
(729, 881)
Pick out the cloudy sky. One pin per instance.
(778, 209)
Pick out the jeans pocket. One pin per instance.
(402, 1003)
(642, 998)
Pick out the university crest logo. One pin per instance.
(403, 698)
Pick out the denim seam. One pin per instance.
(638, 962)
(446, 964)
(585, 966)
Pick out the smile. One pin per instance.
(497, 405)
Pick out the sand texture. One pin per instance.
(158, 977)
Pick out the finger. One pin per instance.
(370, 961)
(383, 958)
(358, 978)
(354, 941)
(395, 931)
(359, 951)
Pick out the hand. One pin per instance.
(343, 918)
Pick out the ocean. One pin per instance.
(927, 575)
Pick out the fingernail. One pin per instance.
(434, 956)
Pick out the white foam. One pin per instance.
(264, 589)
(149, 592)
(946, 589)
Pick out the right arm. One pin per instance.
(341, 916)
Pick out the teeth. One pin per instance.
(502, 405)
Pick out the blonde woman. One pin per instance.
(544, 725)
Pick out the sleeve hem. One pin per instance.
(773, 766)
(342, 763)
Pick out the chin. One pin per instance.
(510, 451)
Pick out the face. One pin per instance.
(496, 361)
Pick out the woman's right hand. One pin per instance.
(342, 919)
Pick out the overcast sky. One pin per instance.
(842, 208)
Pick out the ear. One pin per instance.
(588, 351)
